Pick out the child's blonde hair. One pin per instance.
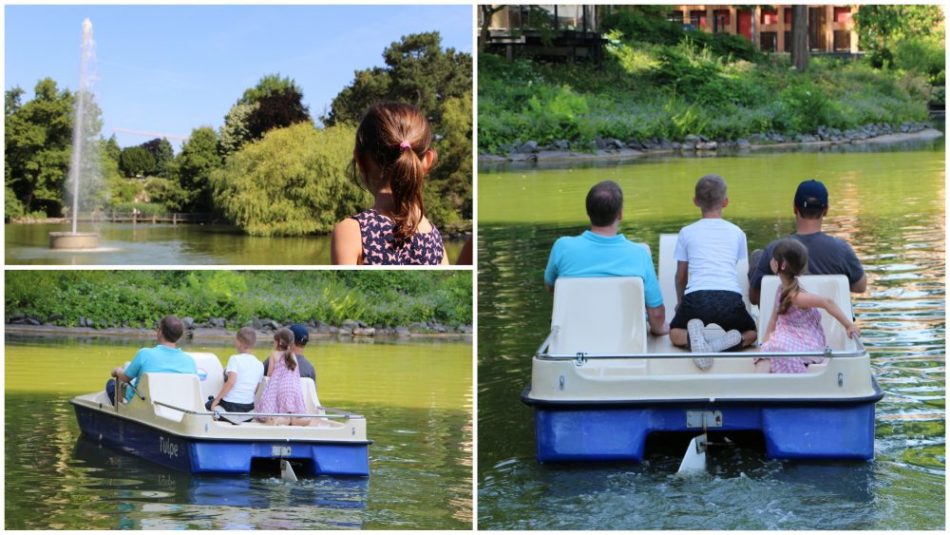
(792, 259)
(396, 137)
(247, 337)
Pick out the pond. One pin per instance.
(889, 204)
(416, 397)
(148, 244)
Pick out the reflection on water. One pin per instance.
(416, 397)
(889, 205)
(146, 244)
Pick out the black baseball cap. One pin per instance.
(811, 194)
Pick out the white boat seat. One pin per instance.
(599, 315)
(181, 390)
(210, 372)
(310, 395)
(834, 286)
(667, 275)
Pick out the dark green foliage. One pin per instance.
(198, 158)
(161, 150)
(275, 102)
(881, 27)
(38, 138)
(136, 161)
(141, 298)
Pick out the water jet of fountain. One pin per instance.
(84, 161)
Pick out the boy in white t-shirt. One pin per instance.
(242, 375)
(707, 291)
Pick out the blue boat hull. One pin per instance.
(218, 456)
(802, 429)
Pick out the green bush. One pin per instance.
(141, 298)
(291, 182)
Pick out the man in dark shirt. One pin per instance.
(301, 337)
(827, 255)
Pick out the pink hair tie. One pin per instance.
(404, 145)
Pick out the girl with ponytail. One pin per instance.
(796, 323)
(283, 392)
(391, 158)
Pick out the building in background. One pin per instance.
(573, 31)
(830, 27)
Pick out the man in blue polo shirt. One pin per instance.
(163, 358)
(603, 252)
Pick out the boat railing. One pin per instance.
(332, 413)
(827, 353)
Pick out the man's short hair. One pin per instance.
(247, 336)
(604, 203)
(710, 192)
(172, 328)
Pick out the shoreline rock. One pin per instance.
(23, 325)
(701, 146)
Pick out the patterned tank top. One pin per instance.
(380, 246)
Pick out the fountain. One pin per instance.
(84, 160)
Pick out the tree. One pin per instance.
(111, 149)
(800, 51)
(418, 71)
(881, 27)
(136, 161)
(38, 137)
(198, 158)
(292, 182)
(274, 102)
(163, 153)
(12, 100)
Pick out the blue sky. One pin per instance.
(172, 68)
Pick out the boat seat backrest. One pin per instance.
(210, 372)
(180, 390)
(834, 286)
(599, 315)
(310, 398)
(667, 275)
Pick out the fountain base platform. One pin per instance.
(71, 240)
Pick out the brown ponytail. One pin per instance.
(792, 259)
(396, 137)
(285, 343)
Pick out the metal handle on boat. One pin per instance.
(687, 355)
(338, 414)
(547, 341)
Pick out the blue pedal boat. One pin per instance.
(601, 384)
(166, 422)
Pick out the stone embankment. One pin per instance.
(609, 148)
(217, 328)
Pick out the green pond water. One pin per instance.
(416, 397)
(889, 204)
(147, 244)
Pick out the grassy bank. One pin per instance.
(698, 85)
(104, 299)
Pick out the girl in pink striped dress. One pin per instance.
(283, 393)
(795, 325)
